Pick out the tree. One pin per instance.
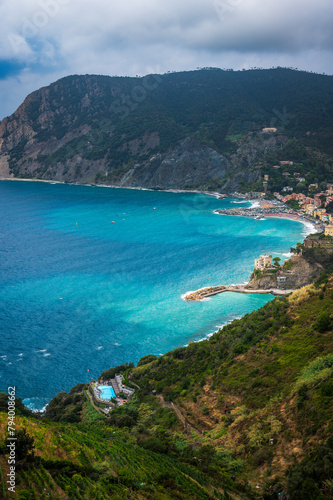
(329, 207)
(323, 323)
(277, 261)
(299, 248)
(24, 446)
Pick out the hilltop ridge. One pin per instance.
(190, 130)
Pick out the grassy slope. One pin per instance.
(248, 378)
(259, 378)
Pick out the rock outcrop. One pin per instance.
(297, 272)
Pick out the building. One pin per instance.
(123, 388)
(266, 177)
(310, 209)
(329, 230)
(268, 130)
(281, 280)
(263, 262)
(286, 162)
(330, 188)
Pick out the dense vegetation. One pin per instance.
(111, 121)
(245, 414)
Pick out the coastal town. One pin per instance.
(315, 207)
(316, 210)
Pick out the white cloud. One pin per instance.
(57, 37)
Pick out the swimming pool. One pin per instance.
(107, 392)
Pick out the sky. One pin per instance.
(44, 40)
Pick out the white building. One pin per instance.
(263, 262)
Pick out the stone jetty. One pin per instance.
(214, 290)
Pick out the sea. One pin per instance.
(92, 277)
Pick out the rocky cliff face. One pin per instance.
(297, 271)
(195, 130)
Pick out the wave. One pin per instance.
(219, 327)
(309, 228)
(35, 404)
(183, 297)
(255, 204)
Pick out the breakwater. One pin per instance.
(202, 293)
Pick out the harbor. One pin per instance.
(270, 208)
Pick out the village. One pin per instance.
(316, 208)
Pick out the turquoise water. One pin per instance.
(107, 393)
(92, 277)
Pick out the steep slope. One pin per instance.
(199, 129)
(244, 414)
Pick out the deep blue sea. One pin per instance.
(92, 277)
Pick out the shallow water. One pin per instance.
(92, 277)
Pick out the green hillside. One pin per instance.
(245, 414)
(131, 131)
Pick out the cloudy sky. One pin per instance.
(43, 40)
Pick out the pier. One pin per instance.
(214, 290)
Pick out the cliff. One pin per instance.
(316, 257)
(191, 130)
(297, 272)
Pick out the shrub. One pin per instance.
(323, 323)
(264, 454)
(319, 369)
(307, 478)
(147, 359)
(205, 410)
(155, 444)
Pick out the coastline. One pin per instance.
(294, 218)
(216, 195)
(48, 181)
(306, 222)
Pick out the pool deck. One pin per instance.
(97, 395)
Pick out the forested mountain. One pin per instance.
(192, 130)
(245, 414)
